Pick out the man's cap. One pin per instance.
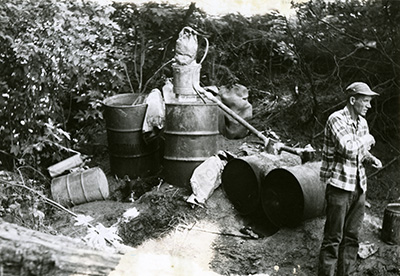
(360, 88)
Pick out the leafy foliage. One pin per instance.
(18, 206)
(246, 50)
(57, 58)
(147, 38)
(339, 42)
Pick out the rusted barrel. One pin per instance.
(391, 224)
(191, 136)
(292, 194)
(80, 187)
(129, 153)
(241, 179)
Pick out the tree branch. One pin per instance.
(384, 167)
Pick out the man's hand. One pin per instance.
(376, 163)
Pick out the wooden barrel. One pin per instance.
(191, 136)
(80, 187)
(391, 224)
(129, 154)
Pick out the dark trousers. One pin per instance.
(344, 217)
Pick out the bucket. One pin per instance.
(191, 136)
(129, 154)
(391, 224)
(80, 187)
(292, 194)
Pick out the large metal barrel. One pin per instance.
(292, 194)
(191, 136)
(129, 154)
(80, 187)
(241, 179)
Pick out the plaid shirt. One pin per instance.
(344, 151)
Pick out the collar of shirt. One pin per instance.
(349, 119)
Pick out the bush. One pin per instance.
(57, 59)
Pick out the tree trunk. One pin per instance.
(28, 252)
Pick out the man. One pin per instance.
(346, 148)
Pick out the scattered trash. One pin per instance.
(83, 220)
(99, 237)
(248, 231)
(373, 221)
(367, 249)
(130, 214)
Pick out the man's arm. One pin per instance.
(349, 144)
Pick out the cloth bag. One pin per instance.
(236, 98)
(186, 47)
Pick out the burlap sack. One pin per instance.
(236, 98)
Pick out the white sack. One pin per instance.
(205, 179)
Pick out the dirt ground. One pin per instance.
(171, 237)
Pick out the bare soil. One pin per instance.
(171, 237)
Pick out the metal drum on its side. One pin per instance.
(292, 194)
(80, 187)
(129, 154)
(241, 179)
(191, 136)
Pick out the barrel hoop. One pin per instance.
(83, 188)
(68, 190)
(135, 155)
(124, 130)
(195, 159)
(191, 133)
